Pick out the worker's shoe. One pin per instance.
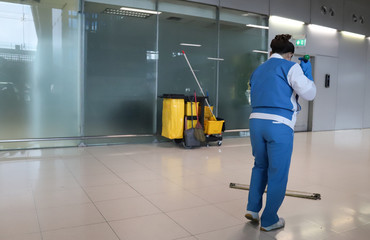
(253, 216)
(279, 224)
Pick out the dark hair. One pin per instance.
(280, 44)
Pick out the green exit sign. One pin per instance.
(300, 42)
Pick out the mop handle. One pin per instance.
(196, 79)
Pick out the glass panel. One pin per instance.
(243, 48)
(120, 81)
(39, 71)
(131, 58)
(191, 28)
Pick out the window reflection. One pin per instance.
(39, 65)
(18, 29)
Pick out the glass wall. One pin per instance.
(129, 59)
(120, 78)
(244, 48)
(191, 28)
(39, 72)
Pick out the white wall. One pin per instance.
(325, 103)
(295, 9)
(366, 120)
(351, 83)
(324, 46)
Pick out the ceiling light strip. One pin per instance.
(190, 44)
(286, 21)
(351, 34)
(322, 28)
(140, 10)
(257, 26)
(215, 59)
(260, 51)
(126, 13)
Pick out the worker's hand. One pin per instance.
(306, 68)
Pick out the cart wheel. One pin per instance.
(184, 145)
(177, 141)
(219, 143)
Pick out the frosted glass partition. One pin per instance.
(39, 72)
(120, 78)
(67, 80)
(178, 32)
(243, 48)
(191, 28)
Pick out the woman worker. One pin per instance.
(275, 87)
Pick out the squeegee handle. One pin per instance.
(196, 79)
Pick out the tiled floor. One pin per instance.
(162, 191)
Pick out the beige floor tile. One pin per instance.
(237, 175)
(305, 230)
(111, 192)
(135, 176)
(175, 200)
(187, 190)
(362, 232)
(155, 186)
(54, 183)
(158, 160)
(18, 223)
(219, 193)
(47, 199)
(98, 180)
(26, 236)
(100, 231)
(298, 227)
(99, 151)
(22, 201)
(68, 216)
(176, 172)
(194, 181)
(92, 169)
(236, 208)
(339, 236)
(187, 238)
(203, 219)
(240, 232)
(126, 208)
(153, 227)
(120, 164)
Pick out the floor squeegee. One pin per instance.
(298, 194)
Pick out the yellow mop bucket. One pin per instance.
(213, 126)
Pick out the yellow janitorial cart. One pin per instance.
(180, 116)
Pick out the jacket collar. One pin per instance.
(276, 55)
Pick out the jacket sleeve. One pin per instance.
(304, 87)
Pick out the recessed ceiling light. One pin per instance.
(287, 21)
(257, 26)
(351, 34)
(190, 44)
(322, 29)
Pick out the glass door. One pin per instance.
(120, 77)
(243, 46)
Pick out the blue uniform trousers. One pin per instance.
(272, 145)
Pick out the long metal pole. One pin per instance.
(218, 56)
(196, 79)
(298, 194)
